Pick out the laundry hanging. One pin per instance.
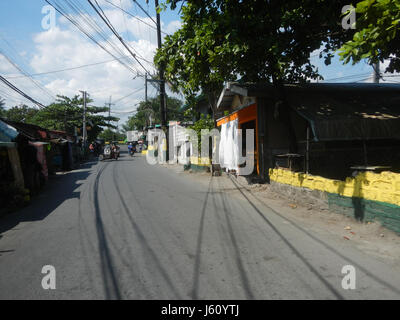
(229, 147)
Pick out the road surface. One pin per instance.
(129, 230)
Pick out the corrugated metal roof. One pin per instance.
(336, 111)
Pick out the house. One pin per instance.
(200, 105)
(182, 148)
(10, 169)
(327, 129)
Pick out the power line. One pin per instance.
(126, 27)
(147, 14)
(350, 76)
(91, 24)
(7, 95)
(137, 90)
(135, 17)
(68, 69)
(27, 75)
(10, 85)
(124, 112)
(111, 27)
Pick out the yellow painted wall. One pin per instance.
(384, 187)
(200, 161)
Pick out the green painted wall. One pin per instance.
(367, 210)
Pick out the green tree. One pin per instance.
(204, 123)
(252, 41)
(66, 114)
(21, 113)
(268, 41)
(2, 104)
(152, 109)
(378, 34)
(111, 135)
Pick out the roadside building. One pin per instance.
(10, 169)
(329, 129)
(338, 144)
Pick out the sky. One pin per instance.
(35, 47)
(37, 50)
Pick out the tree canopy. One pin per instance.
(152, 109)
(64, 114)
(2, 104)
(111, 135)
(252, 41)
(21, 113)
(377, 36)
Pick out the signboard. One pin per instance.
(133, 135)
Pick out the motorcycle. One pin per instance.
(131, 150)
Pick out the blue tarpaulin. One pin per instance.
(7, 132)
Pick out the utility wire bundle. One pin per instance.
(80, 14)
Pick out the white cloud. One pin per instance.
(65, 47)
(5, 66)
(173, 26)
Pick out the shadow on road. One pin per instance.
(238, 258)
(57, 190)
(287, 242)
(196, 269)
(111, 286)
(325, 245)
(144, 242)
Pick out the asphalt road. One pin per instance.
(128, 230)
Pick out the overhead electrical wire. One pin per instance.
(81, 17)
(67, 69)
(137, 55)
(349, 76)
(46, 91)
(146, 13)
(124, 112)
(88, 29)
(123, 12)
(11, 55)
(135, 17)
(111, 27)
(10, 85)
(7, 95)
(136, 91)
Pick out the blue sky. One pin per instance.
(36, 50)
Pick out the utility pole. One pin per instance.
(163, 109)
(148, 107)
(377, 74)
(109, 104)
(84, 133)
(145, 87)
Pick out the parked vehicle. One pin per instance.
(109, 153)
